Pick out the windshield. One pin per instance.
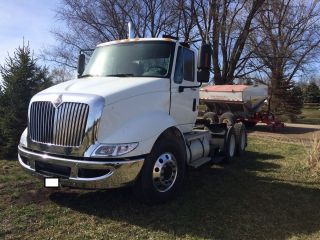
(134, 59)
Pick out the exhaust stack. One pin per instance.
(130, 30)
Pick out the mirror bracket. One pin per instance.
(82, 60)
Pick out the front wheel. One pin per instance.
(162, 175)
(165, 172)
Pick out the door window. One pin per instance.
(188, 65)
(184, 66)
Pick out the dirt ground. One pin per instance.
(293, 133)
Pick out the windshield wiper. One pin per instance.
(121, 75)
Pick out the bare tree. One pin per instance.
(61, 74)
(91, 22)
(227, 26)
(287, 38)
(185, 21)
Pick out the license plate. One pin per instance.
(51, 182)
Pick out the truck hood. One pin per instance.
(113, 89)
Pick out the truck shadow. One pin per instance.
(285, 130)
(234, 201)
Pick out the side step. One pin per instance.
(200, 162)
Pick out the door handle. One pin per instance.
(194, 105)
(194, 88)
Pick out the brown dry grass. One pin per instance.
(313, 154)
(267, 194)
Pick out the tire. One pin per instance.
(229, 149)
(249, 125)
(162, 175)
(241, 139)
(212, 116)
(227, 118)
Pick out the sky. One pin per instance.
(30, 20)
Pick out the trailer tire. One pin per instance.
(241, 138)
(249, 125)
(212, 116)
(162, 175)
(227, 118)
(230, 145)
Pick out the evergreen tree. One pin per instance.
(1, 132)
(295, 100)
(312, 93)
(287, 98)
(22, 78)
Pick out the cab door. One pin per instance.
(184, 101)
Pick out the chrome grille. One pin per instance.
(63, 126)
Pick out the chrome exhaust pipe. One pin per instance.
(130, 30)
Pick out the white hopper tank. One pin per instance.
(251, 96)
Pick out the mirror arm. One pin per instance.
(86, 50)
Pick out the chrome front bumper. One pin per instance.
(81, 173)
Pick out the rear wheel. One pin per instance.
(212, 116)
(162, 175)
(230, 145)
(241, 138)
(227, 118)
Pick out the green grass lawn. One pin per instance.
(268, 194)
(310, 115)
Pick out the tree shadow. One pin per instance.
(223, 202)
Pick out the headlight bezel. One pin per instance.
(114, 150)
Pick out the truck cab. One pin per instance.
(129, 119)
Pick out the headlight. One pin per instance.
(23, 138)
(113, 150)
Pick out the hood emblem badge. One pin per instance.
(57, 102)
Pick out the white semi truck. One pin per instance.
(129, 119)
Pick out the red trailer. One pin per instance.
(238, 103)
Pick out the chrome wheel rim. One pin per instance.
(165, 171)
(225, 121)
(232, 145)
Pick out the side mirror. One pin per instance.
(204, 57)
(81, 63)
(203, 76)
